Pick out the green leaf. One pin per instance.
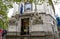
(17, 0)
(50, 2)
(31, 1)
(1, 24)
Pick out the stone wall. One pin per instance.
(39, 31)
(30, 37)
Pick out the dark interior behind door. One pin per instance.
(25, 26)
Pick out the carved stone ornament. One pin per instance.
(37, 21)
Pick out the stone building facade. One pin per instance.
(33, 24)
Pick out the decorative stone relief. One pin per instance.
(37, 20)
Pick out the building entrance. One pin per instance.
(25, 26)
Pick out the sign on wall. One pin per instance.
(28, 6)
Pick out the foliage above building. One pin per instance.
(4, 6)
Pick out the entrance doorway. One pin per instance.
(25, 26)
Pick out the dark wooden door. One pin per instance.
(25, 26)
